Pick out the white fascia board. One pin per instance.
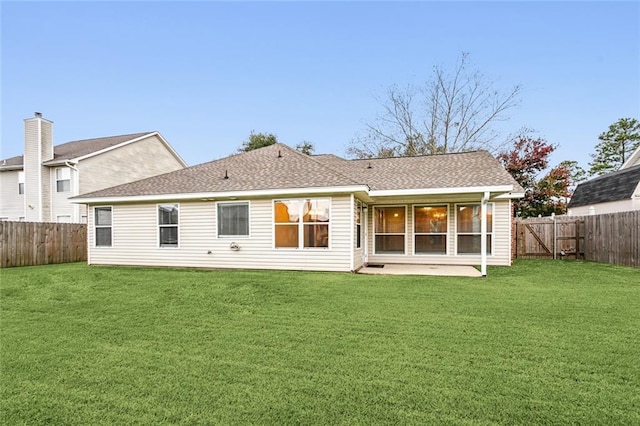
(439, 191)
(635, 156)
(511, 195)
(10, 168)
(223, 195)
(125, 143)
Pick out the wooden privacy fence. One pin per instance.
(35, 243)
(609, 238)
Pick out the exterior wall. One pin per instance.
(612, 207)
(59, 201)
(11, 203)
(135, 239)
(501, 235)
(138, 160)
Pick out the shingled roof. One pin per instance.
(614, 186)
(278, 166)
(79, 148)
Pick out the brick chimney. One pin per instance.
(38, 148)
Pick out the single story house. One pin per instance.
(276, 208)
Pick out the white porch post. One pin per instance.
(483, 234)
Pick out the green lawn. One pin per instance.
(542, 342)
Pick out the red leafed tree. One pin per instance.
(525, 161)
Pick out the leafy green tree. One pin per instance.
(615, 146)
(258, 140)
(305, 147)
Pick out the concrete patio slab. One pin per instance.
(442, 270)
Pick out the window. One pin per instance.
(168, 215)
(20, 182)
(233, 219)
(468, 228)
(389, 230)
(430, 229)
(102, 226)
(63, 219)
(358, 224)
(63, 179)
(301, 223)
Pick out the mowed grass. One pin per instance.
(542, 342)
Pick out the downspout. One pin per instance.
(483, 234)
(76, 190)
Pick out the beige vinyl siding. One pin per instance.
(138, 160)
(501, 236)
(32, 172)
(60, 205)
(11, 203)
(135, 240)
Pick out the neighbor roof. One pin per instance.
(278, 167)
(614, 186)
(80, 148)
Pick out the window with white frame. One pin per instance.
(430, 229)
(168, 220)
(390, 229)
(233, 219)
(468, 228)
(21, 183)
(302, 223)
(63, 179)
(103, 226)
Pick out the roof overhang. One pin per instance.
(223, 195)
(496, 191)
(10, 168)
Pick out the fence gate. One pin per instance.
(547, 237)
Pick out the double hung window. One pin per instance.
(20, 182)
(63, 179)
(168, 218)
(358, 224)
(103, 226)
(233, 219)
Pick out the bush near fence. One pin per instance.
(609, 238)
(41, 243)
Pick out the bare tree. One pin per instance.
(453, 112)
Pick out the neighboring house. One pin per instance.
(36, 186)
(275, 208)
(615, 192)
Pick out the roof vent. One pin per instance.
(369, 166)
(37, 114)
(279, 154)
(226, 175)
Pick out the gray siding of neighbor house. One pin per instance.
(12, 202)
(135, 239)
(138, 160)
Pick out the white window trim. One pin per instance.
(237, 237)
(59, 169)
(158, 226)
(446, 234)
(489, 234)
(95, 225)
(21, 182)
(406, 229)
(358, 241)
(300, 225)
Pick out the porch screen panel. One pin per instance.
(430, 229)
(390, 230)
(468, 222)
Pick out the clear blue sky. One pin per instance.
(205, 74)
